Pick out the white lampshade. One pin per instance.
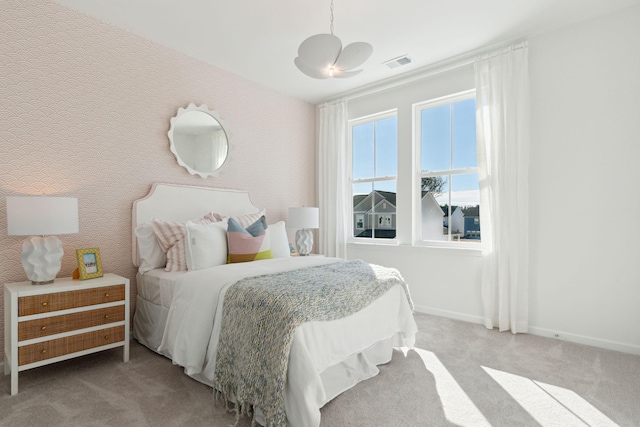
(41, 216)
(303, 218)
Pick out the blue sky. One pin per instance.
(436, 147)
(385, 162)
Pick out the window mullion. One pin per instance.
(381, 179)
(443, 173)
(450, 169)
(373, 185)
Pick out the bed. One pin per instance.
(180, 314)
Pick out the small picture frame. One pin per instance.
(89, 264)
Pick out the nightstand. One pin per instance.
(44, 324)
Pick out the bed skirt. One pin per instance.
(148, 327)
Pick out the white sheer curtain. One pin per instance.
(502, 99)
(333, 187)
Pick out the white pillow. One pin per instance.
(206, 245)
(150, 254)
(279, 240)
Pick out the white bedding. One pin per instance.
(326, 358)
(157, 286)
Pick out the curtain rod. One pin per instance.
(429, 71)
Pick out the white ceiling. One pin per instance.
(258, 39)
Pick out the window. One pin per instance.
(374, 150)
(449, 204)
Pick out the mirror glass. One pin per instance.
(199, 141)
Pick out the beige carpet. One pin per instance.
(460, 375)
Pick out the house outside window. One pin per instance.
(374, 151)
(445, 146)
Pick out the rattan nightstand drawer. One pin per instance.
(69, 322)
(63, 320)
(45, 303)
(61, 346)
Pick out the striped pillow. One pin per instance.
(243, 220)
(214, 217)
(248, 244)
(171, 237)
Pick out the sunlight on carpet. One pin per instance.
(549, 404)
(458, 408)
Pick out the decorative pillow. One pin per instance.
(206, 245)
(171, 235)
(279, 240)
(150, 254)
(243, 220)
(248, 244)
(214, 217)
(249, 219)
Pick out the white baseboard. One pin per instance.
(582, 339)
(449, 314)
(543, 332)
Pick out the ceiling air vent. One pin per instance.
(398, 62)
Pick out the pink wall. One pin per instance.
(85, 110)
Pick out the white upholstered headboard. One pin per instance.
(173, 202)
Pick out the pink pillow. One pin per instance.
(250, 243)
(171, 237)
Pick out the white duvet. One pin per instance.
(326, 357)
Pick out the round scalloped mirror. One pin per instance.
(199, 140)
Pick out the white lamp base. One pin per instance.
(304, 242)
(42, 258)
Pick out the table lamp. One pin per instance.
(41, 217)
(303, 219)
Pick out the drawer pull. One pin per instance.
(44, 350)
(106, 337)
(44, 328)
(106, 294)
(106, 316)
(44, 304)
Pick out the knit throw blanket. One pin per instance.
(260, 315)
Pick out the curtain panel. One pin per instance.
(333, 187)
(503, 115)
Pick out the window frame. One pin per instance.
(418, 174)
(383, 115)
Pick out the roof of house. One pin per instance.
(379, 196)
(445, 209)
(357, 198)
(385, 195)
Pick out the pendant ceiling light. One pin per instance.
(322, 57)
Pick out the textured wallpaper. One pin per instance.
(85, 110)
